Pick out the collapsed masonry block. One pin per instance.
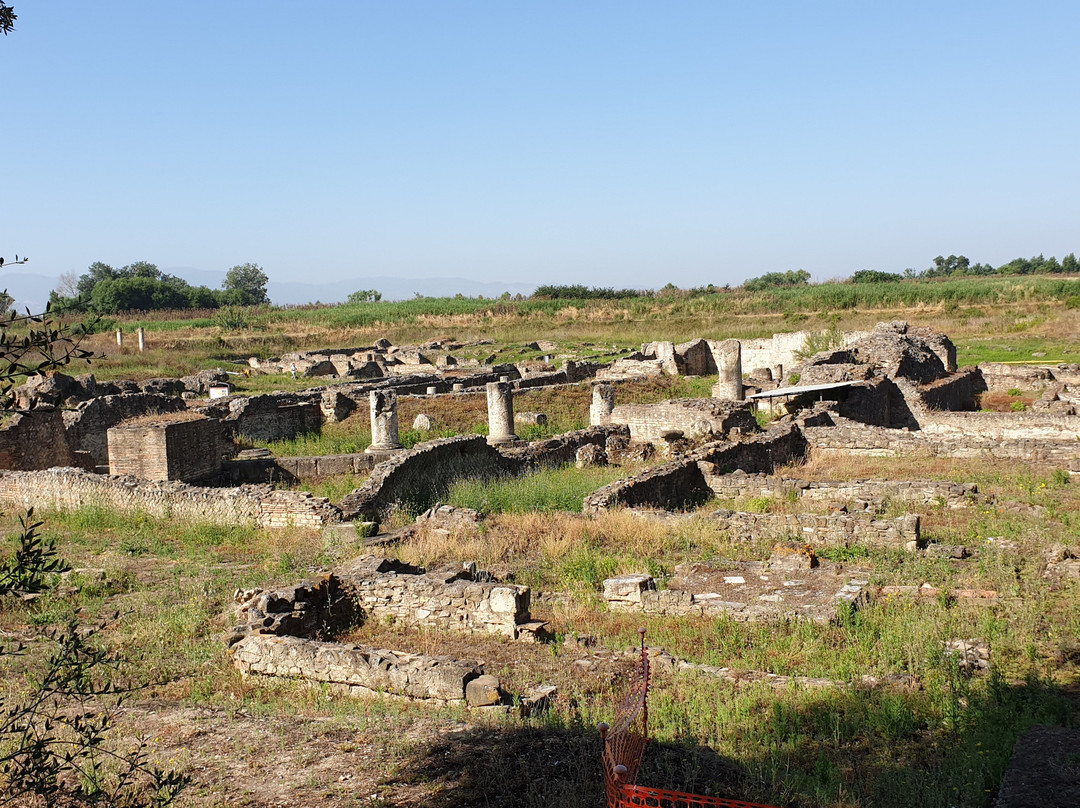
(416, 676)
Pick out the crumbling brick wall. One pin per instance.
(88, 424)
(34, 441)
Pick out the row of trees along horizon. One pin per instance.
(141, 286)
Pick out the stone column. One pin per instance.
(729, 362)
(778, 373)
(119, 338)
(603, 402)
(384, 422)
(142, 339)
(500, 402)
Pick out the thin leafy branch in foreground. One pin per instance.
(56, 737)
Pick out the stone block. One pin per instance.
(483, 691)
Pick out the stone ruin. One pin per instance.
(289, 632)
(792, 584)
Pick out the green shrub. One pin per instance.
(1072, 302)
(1018, 406)
(1014, 391)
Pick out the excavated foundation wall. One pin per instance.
(741, 486)
(681, 484)
(821, 529)
(259, 506)
(281, 635)
(1052, 445)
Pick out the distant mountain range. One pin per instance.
(32, 291)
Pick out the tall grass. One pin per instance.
(562, 489)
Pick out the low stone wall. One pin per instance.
(741, 486)
(386, 589)
(1011, 426)
(821, 529)
(454, 601)
(292, 469)
(411, 675)
(280, 631)
(34, 441)
(638, 593)
(681, 484)
(847, 437)
(260, 506)
(1000, 376)
(696, 419)
(562, 449)
(421, 476)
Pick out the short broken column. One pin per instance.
(500, 404)
(603, 402)
(142, 339)
(384, 422)
(778, 373)
(729, 363)
(119, 338)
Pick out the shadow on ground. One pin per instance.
(543, 766)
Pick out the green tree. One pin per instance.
(874, 276)
(249, 281)
(7, 18)
(365, 296)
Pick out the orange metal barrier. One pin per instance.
(624, 747)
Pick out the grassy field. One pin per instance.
(946, 741)
(988, 318)
(168, 587)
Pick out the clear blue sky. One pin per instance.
(607, 143)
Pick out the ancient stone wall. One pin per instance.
(562, 449)
(181, 450)
(999, 376)
(415, 676)
(34, 441)
(779, 349)
(957, 392)
(848, 437)
(69, 489)
(272, 417)
(740, 486)
(681, 484)
(450, 601)
(695, 418)
(421, 476)
(87, 425)
(820, 529)
(293, 469)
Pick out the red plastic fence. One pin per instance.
(624, 747)
(630, 796)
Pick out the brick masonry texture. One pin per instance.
(34, 440)
(182, 450)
